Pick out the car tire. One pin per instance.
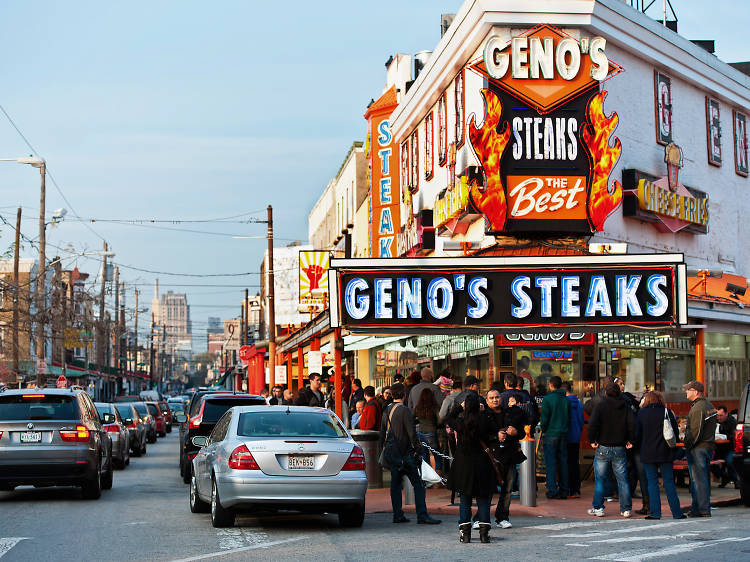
(163, 434)
(108, 476)
(119, 464)
(197, 505)
(152, 438)
(187, 474)
(220, 516)
(143, 448)
(92, 487)
(169, 429)
(352, 517)
(745, 492)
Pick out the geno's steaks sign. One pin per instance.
(503, 294)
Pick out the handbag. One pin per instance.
(428, 473)
(668, 432)
(495, 464)
(383, 457)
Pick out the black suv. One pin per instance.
(742, 445)
(204, 413)
(54, 437)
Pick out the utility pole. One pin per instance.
(117, 321)
(40, 280)
(16, 296)
(100, 355)
(151, 353)
(122, 332)
(247, 318)
(135, 338)
(271, 310)
(63, 325)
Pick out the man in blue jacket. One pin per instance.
(574, 441)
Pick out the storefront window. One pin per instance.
(674, 370)
(635, 367)
(536, 366)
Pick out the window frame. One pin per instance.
(712, 158)
(659, 78)
(442, 131)
(405, 168)
(429, 153)
(736, 115)
(414, 161)
(459, 108)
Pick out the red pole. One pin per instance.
(337, 366)
(289, 374)
(300, 367)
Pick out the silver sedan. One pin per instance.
(278, 457)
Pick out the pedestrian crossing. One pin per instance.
(6, 543)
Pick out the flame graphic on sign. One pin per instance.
(601, 201)
(489, 145)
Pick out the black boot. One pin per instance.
(484, 532)
(464, 532)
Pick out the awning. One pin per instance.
(352, 343)
(719, 287)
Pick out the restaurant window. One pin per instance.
(428, 146)
(739, 127)
(414, 162)
(663, 107)
(459, 125)
(672, 371)
(405, 164)
(635, 367)
(713, 131)
(536, 366)
(442, 132)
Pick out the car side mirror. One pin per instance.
(200, 440)
(108, 418)
(182, 418)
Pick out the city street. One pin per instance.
(146, 517)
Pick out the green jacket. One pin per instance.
(555, 414)
(700, 431)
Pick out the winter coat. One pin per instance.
(308, 398)
(700, 431)
(612, 423)
(649, 433)
(555, 414)
(471, 471)
(576, 419)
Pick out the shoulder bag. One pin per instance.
(667, 430)
(382, 458)
(495, 464)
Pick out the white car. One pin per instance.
(279, 457)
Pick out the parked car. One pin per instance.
(118, 434)
(127, 398)
(155, 411)
(742, 445)
(280, 458)
(192, 407)
(212, 407)
(53, 437)
(148, 420)
(166, 411)
(136, 428)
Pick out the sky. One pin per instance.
(186, 110)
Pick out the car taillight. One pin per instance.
(195, 422)
(133, 426)
(356, 460)
(243, 459)
(113, 428)
(738, 439)
(191, 456)
(79, 435)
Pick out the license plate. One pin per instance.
(31, 437)
(300, 462)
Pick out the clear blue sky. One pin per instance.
(192, 110)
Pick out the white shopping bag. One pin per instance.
(428, 473)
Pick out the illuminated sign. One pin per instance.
(452, 204)
(564, 292)
(545, 338)
(551, 354)
(545, 142)
(660, 200)
(417, 236)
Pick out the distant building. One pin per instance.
(171, 317)
(214, 325)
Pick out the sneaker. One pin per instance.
(475, 525)
(625, 513)
(504, 524)
(596, 512)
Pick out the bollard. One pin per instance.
(527, 470)
(408, 491)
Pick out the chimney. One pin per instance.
(706, 44)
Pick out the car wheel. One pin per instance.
(143, 447)
(119, 464)
(745, 492)
(220, 517)
(163, 434)
(92, 487)
(152, 437)
(187, 473)
(197, 505)
(352, 517)
(169, 429)
(108, 476)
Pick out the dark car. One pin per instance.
(136, 428)
(742, 445)
(118, 434)
(148, 420)
(192, 406)
(53, 437)
(207, 412)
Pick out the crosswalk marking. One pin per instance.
(644, 554)
(633, 529)
(9, 542)
(574, 524)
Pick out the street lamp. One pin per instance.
(42, 165)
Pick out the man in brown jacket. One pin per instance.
(699, 447)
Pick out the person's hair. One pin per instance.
(469, 428)
(446, 373)
(722, 407)
(555, 381)
(493, 390)
(612, 390)
(311, 376)
(277, 387)
(653, 397)
(519, 383)
(458, 384)
(398, 391)
(426, 374)
(357, 382)
(370, 391)
(425, 408)
(414, 378)
(388, 388)
(546, 368)
(567, 387)
(497, 385)
(606, 380)
(398, 377)
(510, 380)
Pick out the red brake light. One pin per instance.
(31, 396)
(737, 439)
(356, 460)
(196, 421)
(243, 459)
(113, 428)
(79, 435)
(191, 456)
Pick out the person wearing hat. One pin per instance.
(699, 448)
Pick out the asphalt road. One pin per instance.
(146, 517)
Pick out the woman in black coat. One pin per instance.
(472, 474)
(656, 453)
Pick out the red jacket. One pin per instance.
(371, 415)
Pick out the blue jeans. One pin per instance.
(604, 458)
(654, 499)
(408, 469)
(483, 509)
(556, 458)
(431, 440)
(699, 462)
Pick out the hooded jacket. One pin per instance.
(555, 414)
(576, 419)
(612, 423)
(700, 430)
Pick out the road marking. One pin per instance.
(638, 555)
(574, 524)
(633, 529)
(9, 542)
(242, 549)
(645, 538)
(577, 544)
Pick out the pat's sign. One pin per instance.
(544, 142)
(559, 294)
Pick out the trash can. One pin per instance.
(368, 440)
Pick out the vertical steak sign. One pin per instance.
(545, 142)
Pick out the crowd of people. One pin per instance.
(473, 441)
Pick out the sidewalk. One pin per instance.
(438, 502)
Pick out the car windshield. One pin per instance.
(141, 409)
(214, 409)
(37, 407)
(177, 407)
(125, 413)
(153, 409)
(293, 424)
